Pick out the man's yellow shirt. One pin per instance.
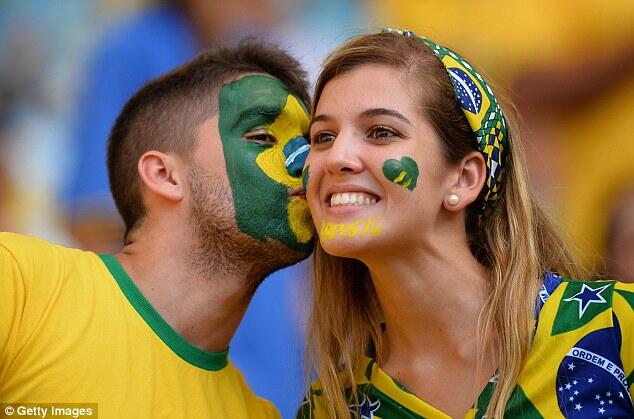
(74, 328)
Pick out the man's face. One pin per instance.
(262, 128)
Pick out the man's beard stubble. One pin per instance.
(219, 247)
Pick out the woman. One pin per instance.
(433, 295)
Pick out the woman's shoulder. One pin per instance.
(570, 303)
(585, 329)
(557, 289)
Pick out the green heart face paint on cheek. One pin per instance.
(259, 181)
(403, 172)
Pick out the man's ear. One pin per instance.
(472, 173)
(162, 174)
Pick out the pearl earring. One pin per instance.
(453, 199)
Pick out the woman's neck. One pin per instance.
(430, 299)
(431, 303)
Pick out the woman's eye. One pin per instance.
(322, 138)
(380, 133)
(260, 137)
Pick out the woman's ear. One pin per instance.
(472, 173)
(162, 175)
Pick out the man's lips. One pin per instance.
(297, 192)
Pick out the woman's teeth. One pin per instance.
(351, 198)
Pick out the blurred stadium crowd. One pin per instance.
(67, 67)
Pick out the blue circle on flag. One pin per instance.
(590, 379)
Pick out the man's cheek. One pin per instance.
(271, 162)
(299, 220)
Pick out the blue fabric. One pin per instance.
(132, 53)
(269, 344)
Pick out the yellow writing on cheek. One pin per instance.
(361, 228)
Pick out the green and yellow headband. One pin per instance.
(482, 111)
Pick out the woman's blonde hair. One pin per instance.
(515, 241)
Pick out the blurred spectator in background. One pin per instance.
(30, 126)
(619, 256)
(132, 52)
(5, 184)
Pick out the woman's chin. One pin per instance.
(346, 247)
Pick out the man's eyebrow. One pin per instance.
(254, 112)
(384, 112)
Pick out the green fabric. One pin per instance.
(518, 405)
(629, 297)
(568, 316)
(210, 361)
(387, 409)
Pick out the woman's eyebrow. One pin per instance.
(369, 113)
(320, 118)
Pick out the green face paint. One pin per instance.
(403, 172)
(305, 176)
(259, 181)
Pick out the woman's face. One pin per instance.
(375, 176)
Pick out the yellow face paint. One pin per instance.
(291, 123)
(362, 228)
(299, 220)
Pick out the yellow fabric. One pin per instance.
(68, 334)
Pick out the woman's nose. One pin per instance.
(344, 155)
(295, 152)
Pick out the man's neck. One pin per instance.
(204, 306)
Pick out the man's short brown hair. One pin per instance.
(166, 113)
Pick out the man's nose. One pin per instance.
(295, 152)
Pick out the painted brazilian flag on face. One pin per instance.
(262, 128)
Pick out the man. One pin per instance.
(205, 168)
